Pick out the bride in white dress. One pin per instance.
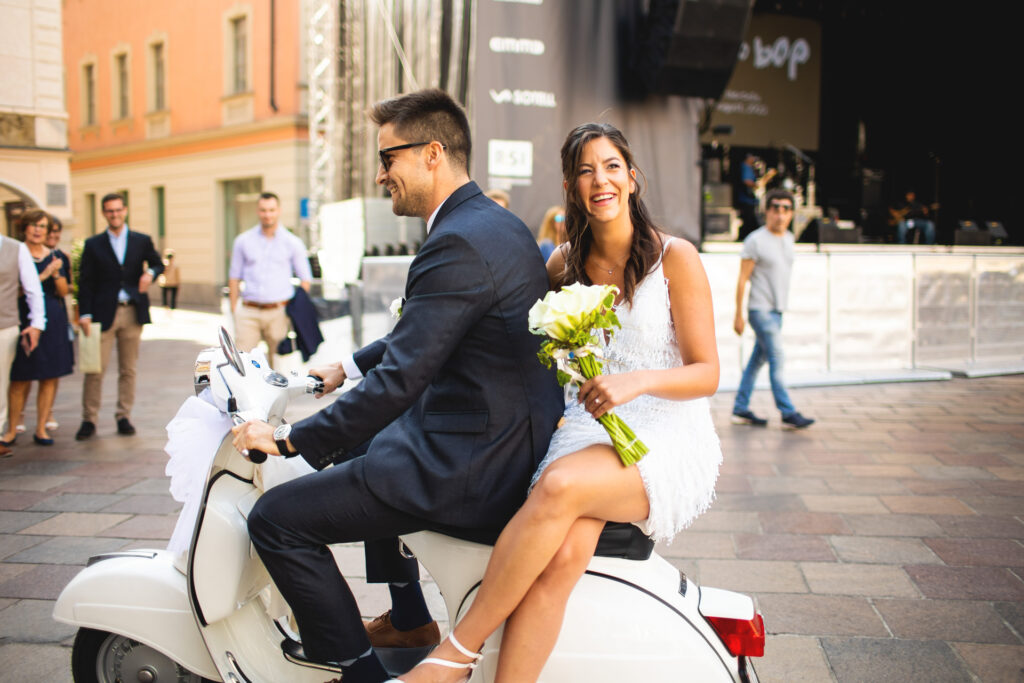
(659, 370)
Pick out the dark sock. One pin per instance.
(366, 669)
(408, 608)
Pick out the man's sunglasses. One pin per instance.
(780, 207)
(385, 160)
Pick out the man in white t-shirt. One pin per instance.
(766, 261)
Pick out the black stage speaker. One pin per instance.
(831, 234)
(814, 229)
(972, 237)
(683, 47)
(997, 232)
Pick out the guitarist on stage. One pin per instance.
(747, 194)
(912, 214)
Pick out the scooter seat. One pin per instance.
(618, 539)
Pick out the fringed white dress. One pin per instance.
(681, 467)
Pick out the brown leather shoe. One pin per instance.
(383, 634)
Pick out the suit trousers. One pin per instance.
(291, 526)
(254, 324)
(127, 332)
(8, 349)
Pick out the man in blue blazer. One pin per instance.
(117, 268)
(454, 409)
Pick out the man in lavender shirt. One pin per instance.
(265, 258)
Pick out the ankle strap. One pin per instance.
(475, 656)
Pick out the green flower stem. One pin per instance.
(627, 445)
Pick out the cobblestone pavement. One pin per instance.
(882, 544)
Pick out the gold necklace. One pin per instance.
(608, 270)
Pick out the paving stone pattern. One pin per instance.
(884, 543)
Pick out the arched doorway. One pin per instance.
(14, 202)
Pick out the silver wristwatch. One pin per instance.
(281, 433)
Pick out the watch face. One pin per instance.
(282, 432)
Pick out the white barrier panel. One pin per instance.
(943, 321)
(870, 311)
(855, 314)
(805, 323)
(999, 308)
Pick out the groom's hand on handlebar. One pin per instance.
(333, 376)
(255, 435)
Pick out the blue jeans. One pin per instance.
(924, 225)
(767, 326)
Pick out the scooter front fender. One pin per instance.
(138, 594)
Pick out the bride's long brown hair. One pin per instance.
(645, 248)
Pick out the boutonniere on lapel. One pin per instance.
(396, 307)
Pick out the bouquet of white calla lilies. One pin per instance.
(573, 319)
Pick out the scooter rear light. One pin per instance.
(741, 636)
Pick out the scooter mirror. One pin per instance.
(227, 345)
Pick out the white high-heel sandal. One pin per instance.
(475, 658)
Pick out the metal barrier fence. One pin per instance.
(856, 313)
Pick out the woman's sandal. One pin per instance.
(475, 658)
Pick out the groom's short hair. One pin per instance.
(425, 116)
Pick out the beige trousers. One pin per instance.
(253, 324)
(8, 348)
(127, 332)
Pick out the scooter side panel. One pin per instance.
(458, 564)
(246, 644)
(142, 597)
(654, 642)
(662, 635)
(225, 572)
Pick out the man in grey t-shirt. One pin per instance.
(766, 261)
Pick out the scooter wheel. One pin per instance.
(101, 657)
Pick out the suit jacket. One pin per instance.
(305, 321)
(458, 407)
(101, 277)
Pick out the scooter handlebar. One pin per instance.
(257, 456)
(314, 385)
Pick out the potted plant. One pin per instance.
(76, 266)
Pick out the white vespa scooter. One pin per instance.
(209, 615)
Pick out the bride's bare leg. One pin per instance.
(532, 630)
(589, 483)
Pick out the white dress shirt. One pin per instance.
(119, 243)
(33, 288)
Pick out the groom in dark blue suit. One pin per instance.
(454, 411)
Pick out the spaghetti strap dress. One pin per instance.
(53, 357)
(680, 470)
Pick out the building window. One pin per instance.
(90, 211)
(239, 55)
(239, 197)
(123, 85)
(160, 216)
(89, 95)
(159, 92)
